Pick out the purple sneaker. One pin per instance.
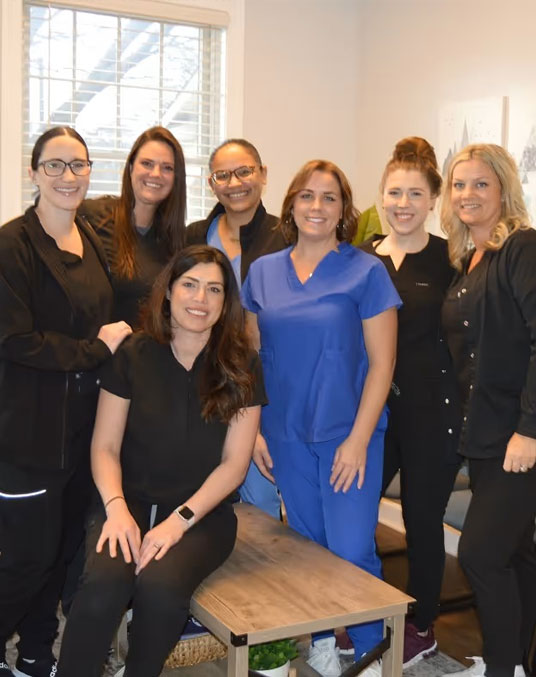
(417, 647)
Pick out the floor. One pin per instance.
(457, 629)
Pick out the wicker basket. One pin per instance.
(196, 650)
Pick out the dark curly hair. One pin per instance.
(227, 380)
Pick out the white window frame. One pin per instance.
(228, 13)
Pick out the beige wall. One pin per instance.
(300, 93)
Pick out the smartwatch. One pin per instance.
(184, 513)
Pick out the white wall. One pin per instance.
(345, 79)
(301, 84)
(418, 55)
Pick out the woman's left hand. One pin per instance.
(520, 454)
(350, 460)
(160, 539)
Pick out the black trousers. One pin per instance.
(498, 555)
(415, 444)
(42, 517)
(160, 595)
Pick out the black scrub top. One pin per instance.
(168, 449)
(462, 314)
(150, 255)
(422, 281)
(89, 293)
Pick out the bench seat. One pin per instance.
(278, 584)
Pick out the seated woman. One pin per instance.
(176, 422)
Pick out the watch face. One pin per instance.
(186, 513)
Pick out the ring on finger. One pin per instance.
(523, 468)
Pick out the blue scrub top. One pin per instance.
(312, 346)
(214, 240)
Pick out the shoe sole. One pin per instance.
(419, 657)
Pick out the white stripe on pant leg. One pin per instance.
(29, 495)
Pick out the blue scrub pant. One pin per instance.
(343, 523)
(259, 491)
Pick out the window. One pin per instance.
(112, 76)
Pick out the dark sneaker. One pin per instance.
(344, 644)
(5, 670)
(417, 647)
(42, 667)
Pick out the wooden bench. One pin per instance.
(278, 584)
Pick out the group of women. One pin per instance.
(179, 410)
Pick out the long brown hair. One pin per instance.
(170, 215)
(347, 227)
(227, 379)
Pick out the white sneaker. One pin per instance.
(120, 673)
(324, 657)
(478, 669)
(373, 670)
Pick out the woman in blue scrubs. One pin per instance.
(324, 317)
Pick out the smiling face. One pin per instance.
(407, 200)
(68, 190)
(196, 299)
(476, 195)
(152, 173)
(238, 196)
(317, 208)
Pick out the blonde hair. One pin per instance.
(514, 214)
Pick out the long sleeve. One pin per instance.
(21, 341)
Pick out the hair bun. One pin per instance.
(414, 149)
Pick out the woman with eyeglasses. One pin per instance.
(56, 302)
(143, 227)
(241, 228)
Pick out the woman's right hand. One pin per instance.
(114, 334)
(120, 527)
(262, 458)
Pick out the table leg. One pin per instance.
(392, 658)
(237, 661)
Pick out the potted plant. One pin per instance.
(273, 658)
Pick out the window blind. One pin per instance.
(112, 76)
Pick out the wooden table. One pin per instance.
(278, 584)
